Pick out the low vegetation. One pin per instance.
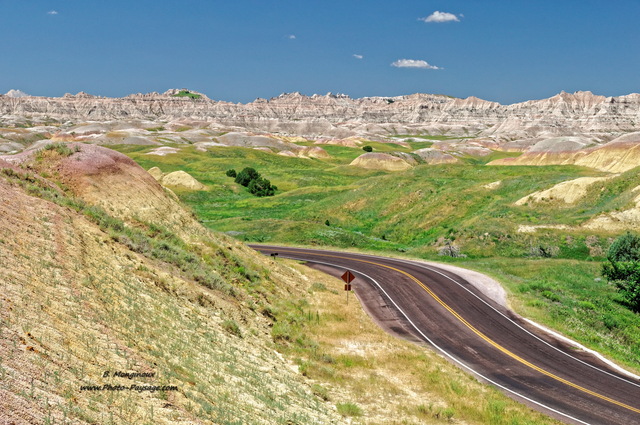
(187, 93)
(60, 149)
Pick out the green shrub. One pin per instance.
(552, 296)
(261, 187)
(231, 173)
(367, 148)
(625, 248)
(251, 179)
(245, 176)
(623, 268)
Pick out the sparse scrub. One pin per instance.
(349, 409)
(320, 391)
(232, 327)
(60, 148)
(318, 286)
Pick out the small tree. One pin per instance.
(623, 268)
(367, 148)
(245, 176)
(261, 187)
(231, 173)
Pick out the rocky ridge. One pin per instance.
(565, 114)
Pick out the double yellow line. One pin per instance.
(480, 334)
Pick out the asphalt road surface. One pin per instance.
(424, 303)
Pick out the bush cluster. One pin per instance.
(253, 181)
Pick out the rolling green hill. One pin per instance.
(545, 252)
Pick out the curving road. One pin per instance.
(424, 303)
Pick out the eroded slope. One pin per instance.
(139, 288)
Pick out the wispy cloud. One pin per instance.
(291, 37)
(413, 63)
(358, 56)
(52, 12)
(439, 17)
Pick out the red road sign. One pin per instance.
(347, 286)
(348, 276)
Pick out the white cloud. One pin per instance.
(439, 17)
(52, 12)
(358, 56)
(413, 63)
(291, 37)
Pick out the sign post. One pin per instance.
(348, 278)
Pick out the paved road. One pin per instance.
(424, 303)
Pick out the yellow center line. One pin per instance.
(480, 334)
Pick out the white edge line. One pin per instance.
(588, 350)
(443, 351)
(595, 353)
(613, 365)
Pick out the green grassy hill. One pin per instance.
(541, 252)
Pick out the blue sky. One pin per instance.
(506, 51)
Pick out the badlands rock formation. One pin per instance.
(339, 116)
(579, 128)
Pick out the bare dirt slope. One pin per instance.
(86, 293)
